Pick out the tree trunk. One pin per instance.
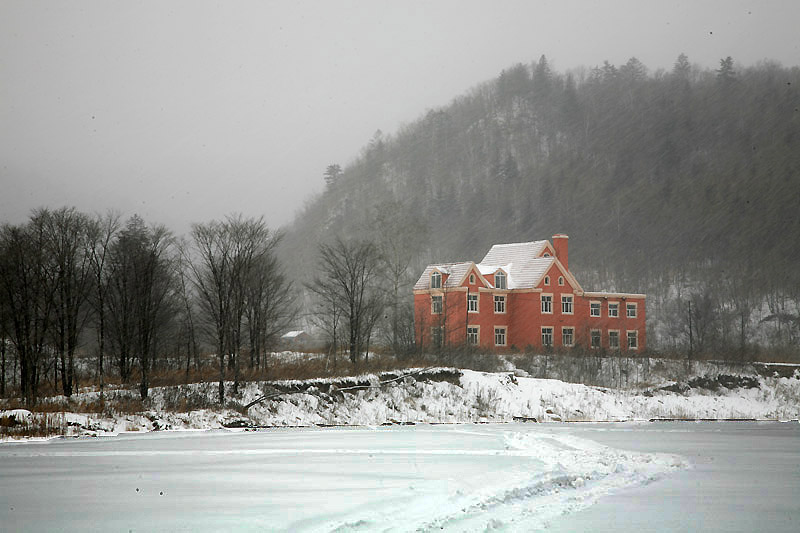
(221, 356)
(2, 367)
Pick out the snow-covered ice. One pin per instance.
(398, 479)
(472, 477)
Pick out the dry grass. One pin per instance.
(39, 425)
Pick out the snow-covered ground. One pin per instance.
(471, 477)
(422, 478)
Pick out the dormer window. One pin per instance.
(436, 280)
(472, 279)
(499, 280)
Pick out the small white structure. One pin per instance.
(295, 339)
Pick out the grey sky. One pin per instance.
(186, 111)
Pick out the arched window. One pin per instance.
(547, 280)
(499, 280)
(561, 280)
(436, 280)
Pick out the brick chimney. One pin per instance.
(561, 245)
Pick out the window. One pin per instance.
(472, 302)
(547, 281)
(436, 337)
(436, 304)
(547, 336)
(595, 334)
(630, 310)
(613, 340)
(499, 303)
(594, 308)
(473, 335)
(561, 280)
(472, 279)
(500, 336)
(499, 281)
(545, 255)
(613, 310)
(566, 304)
(633, 340)
(568, 336)
(547, 303)
(436, 280)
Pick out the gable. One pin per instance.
(452, 275)
(548, 250)
(479, 279)
(556, 270)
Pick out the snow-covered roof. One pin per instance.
(292, 334)
(455, 271)
(520, 261)
(518, 252)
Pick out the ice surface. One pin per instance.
(474, 477)
(454, 478)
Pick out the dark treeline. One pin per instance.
(682, 183)
(130, 298)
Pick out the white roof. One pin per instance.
(520, 261)
(292, 334)
(518, 252)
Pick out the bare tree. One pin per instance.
(102, 231)
(188, 310)
(400, 240)
(26, 286)
(66, 240)
(348, 281)
(270, 303)
(140, 295)
(234, 273)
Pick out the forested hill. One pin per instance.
(650, 173)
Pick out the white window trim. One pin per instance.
(472, 279)
(571, 304)
(505, 280)
(552, 332)
(505, 335)
(547, 281)
(560, 281)
(436, 274)
(599, 308)
(433, 306)
(609, 309)
(610, 346)
(477, 335)
(627, 339)
(541, 304)
(503, 296)
(477, 301)
(599, 338)
(563, 330)
(635, 306)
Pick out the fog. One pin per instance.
(185, 111)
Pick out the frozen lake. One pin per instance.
(514, 477)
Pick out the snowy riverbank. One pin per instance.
(438, 395)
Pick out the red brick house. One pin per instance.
(523, 295)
